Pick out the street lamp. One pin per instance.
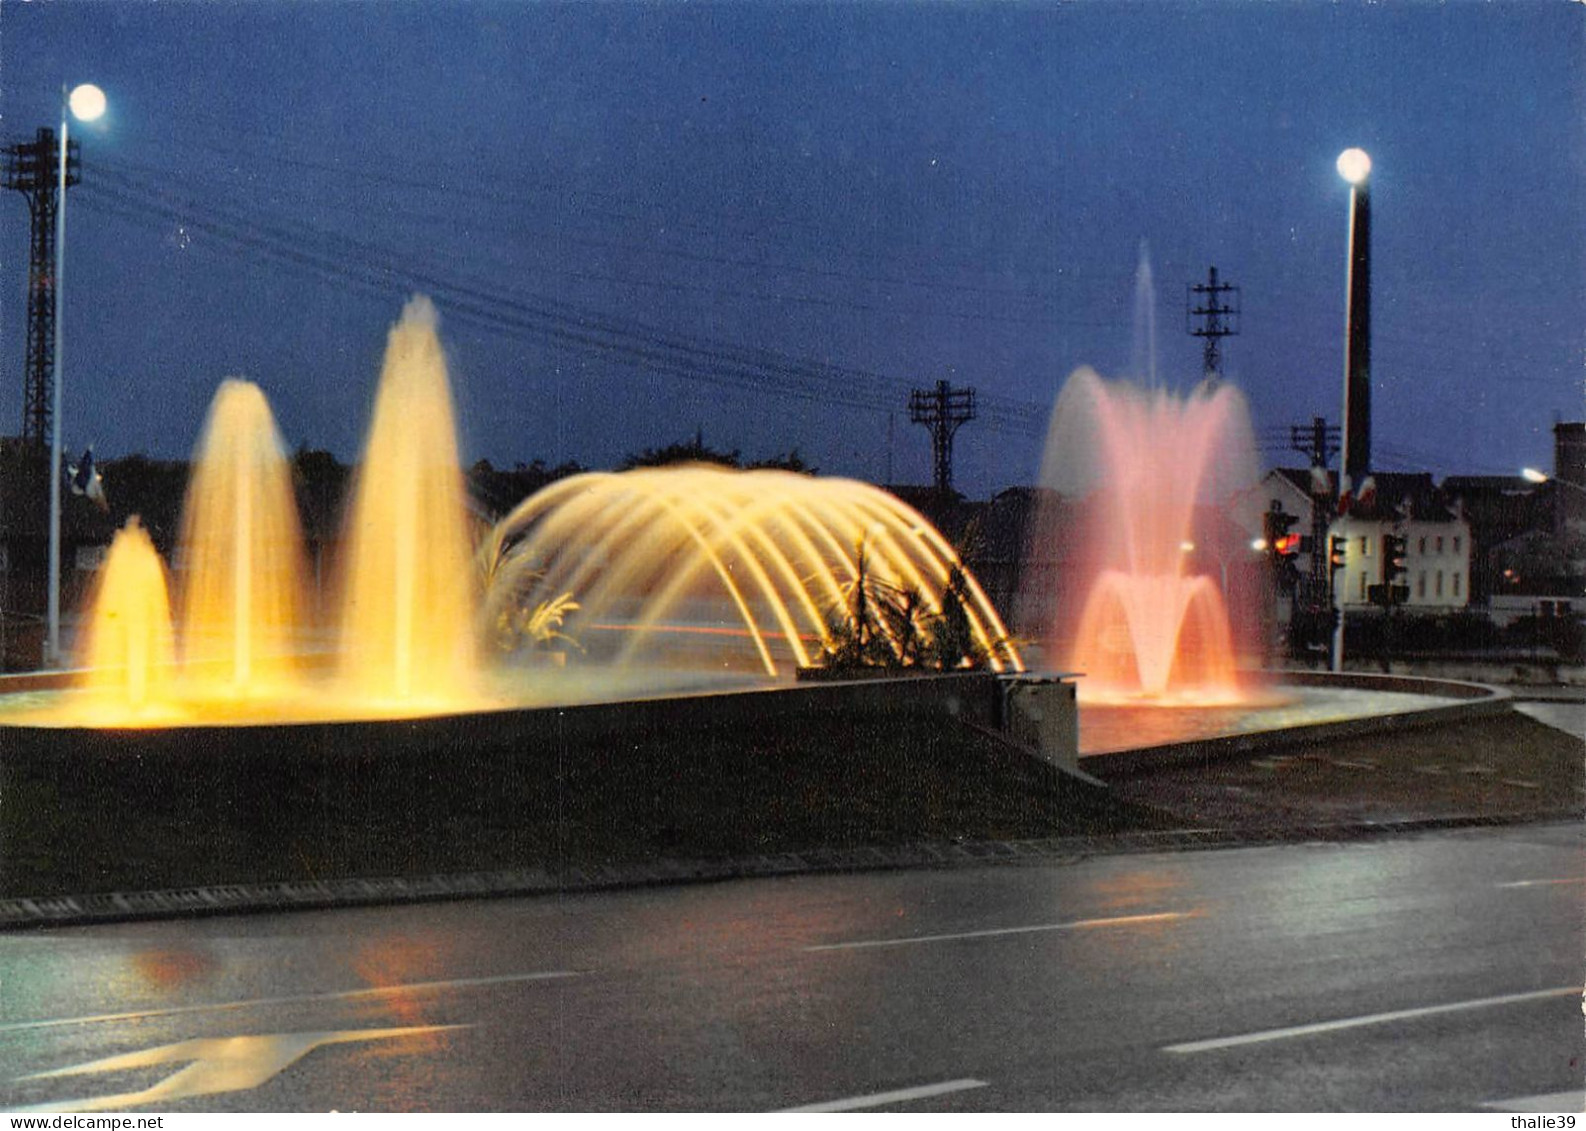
(85, 103)
(1532, 475)
(1354, 165)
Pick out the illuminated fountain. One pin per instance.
(667, 579)
(408, 603)
(1147, 463)
(663, 559)
(242, 555)
(1146, 468)
(127, 643)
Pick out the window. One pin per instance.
(1454, 580)
(1439, 583)
(1365, 545)
(1420, 581)
(1421, 549)
(1440, 543)
(1362, 584)
(1456, 543)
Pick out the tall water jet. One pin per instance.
(1143, 352)
(127, 651)
(241, 552)
(408, 601)
(1154, 472)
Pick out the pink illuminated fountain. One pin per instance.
(1151, 471)
(1148, 463)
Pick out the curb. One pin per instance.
(223, 899)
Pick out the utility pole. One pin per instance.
(1216, 304)
(942, 410)
(1318, 441)
(31, 168)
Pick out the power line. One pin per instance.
(561, 324)
(762, 230)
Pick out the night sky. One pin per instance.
(767, 221)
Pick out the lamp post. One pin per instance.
(85, 103)
(1354, 165)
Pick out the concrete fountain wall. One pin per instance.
(817, 764)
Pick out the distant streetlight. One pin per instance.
(1532, 475)
(85, 103)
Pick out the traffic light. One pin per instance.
(1276, 531)
(1393, 551)
(1337, 552)
(1282, 544)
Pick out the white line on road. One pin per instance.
(1369, 1019)
(299, 999)
(1542, 883)
(878, 1099)
(1076, 925)
(1540, 1105)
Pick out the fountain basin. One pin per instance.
(1294, 707)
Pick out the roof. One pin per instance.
(1398, 494)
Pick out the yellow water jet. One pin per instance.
(408, 603)
(127, 649)
(241, 554)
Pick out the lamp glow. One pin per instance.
(87, 102)
(1354, 165)
(1532, 475)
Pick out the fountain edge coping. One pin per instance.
(1472, 701)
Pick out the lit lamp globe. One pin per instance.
(87, 102)
(1354, 165)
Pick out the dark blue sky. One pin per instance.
(616, 205)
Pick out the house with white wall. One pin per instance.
(1437, 540)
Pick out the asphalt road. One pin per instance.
(1433, 972)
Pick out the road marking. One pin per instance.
(1369, 1019)
(1076, 925)
(902, 1095)
(334, 995)
(214, 1065)
(1541, 883)
(1554, 1101)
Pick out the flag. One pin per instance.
(1368, 492)
(85, 480)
